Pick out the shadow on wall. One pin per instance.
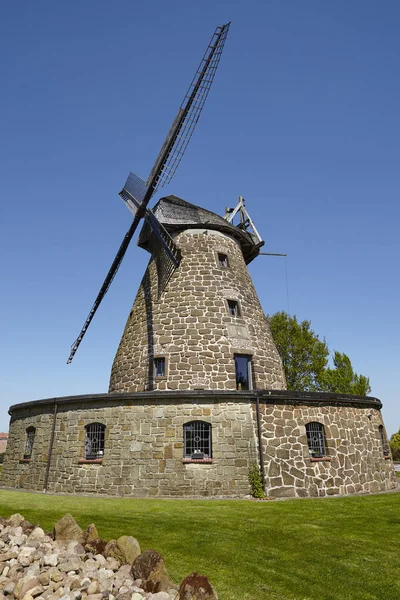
(150, 333)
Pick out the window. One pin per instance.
(384, 442)
(233, 308)
(30, 438)
(159, 366)
(197, 440)
(94, 441)
(316, 439)
(243, 372)
(223, 260)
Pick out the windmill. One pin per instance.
(137, 193)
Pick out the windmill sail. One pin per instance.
(133, 192)
(189, 112)
(137, 194)
(165, 252)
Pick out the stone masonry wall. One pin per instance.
(190, 325)
(354, 461)
(143, 449)
(144, 455)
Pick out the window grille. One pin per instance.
(94, 441)
(384, 442)
(233, 308)
(316, 439)
(223, 260)
(30, 438)
(197, 439)
(243, 372)
(159, 367)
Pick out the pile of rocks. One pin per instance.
(72, 564)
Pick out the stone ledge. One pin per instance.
(266, 396)
(88, 461)
(206, 461)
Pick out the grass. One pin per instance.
(327, 549)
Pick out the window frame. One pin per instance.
(155, 376)
(317, 449)
(202, 453)
(237, 305)
(384, 441)
(218, 254)
(249, 371)
(99, 453)
(29, 442)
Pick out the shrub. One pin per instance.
(255, 480)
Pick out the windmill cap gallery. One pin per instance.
(197, 394)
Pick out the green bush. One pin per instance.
(255, 480)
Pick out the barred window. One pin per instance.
(159, 367)
(384, 442)
(30, 438)
(94, 441)
(197, 439)
(316, 439)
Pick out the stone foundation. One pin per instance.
(144, 455)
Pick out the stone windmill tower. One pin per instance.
(205, 328)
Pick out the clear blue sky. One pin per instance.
(302, 120)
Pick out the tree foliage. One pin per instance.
(305, 359)
(342, 379)
(304, 355)
(395, 445)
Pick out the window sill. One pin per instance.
(88, 461)
(387, 457)
(25, 460)
(206, 461)
(320, 459)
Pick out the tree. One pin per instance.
(305, 360)
(395, 445)
(342, 379)
(304, 355)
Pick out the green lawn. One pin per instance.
(327, 549)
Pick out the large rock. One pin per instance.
(196, 587)
(24, 585)
(150, 568)
(96, 546)
(36, 533)
(15, 520)
(129, 547)
(112, 550)
(90, 533)
(67, 529)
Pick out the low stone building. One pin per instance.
(197, 394)
(3, 442)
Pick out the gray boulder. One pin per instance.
(67, 530)
(150, 568)
(129, 547)
(196, 587)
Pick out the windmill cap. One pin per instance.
(177, 215)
